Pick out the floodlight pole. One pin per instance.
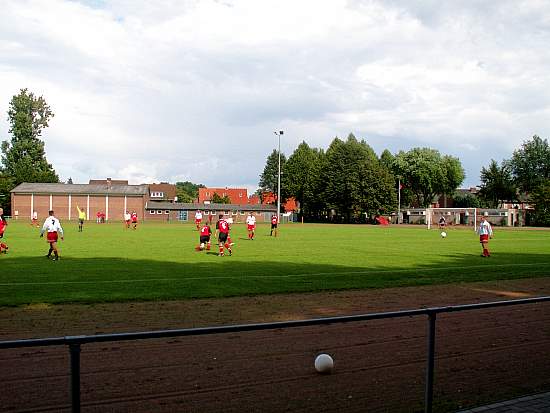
(279, 179)
(399, 201)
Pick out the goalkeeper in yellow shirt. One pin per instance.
(81, 218)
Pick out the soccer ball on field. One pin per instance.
(324, 364)
(443, 234)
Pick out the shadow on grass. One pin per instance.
(26, 280)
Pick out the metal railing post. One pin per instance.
(74, 350)
(430, 361)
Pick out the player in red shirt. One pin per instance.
(204, 238)
(222, 229)
(3, 225)
(274, 222)
(134, 219)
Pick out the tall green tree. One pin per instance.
(6, 185)
(188, 191)
(427, 174)
(540, 197)
(497, 184)
(355, 181)
(23, 157)
(269, 177)
(531, 163)
(302, 178)
(387, 159)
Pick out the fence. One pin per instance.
(75, 342)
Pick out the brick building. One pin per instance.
(109, 197)
(176, 211)
(153, 202)
(237, 196)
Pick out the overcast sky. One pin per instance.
(176, 90)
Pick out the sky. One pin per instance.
(193, 90)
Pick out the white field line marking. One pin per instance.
(333, 274)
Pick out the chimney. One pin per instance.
(109, 183)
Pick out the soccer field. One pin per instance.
(108, 263)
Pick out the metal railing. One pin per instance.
(75, 342)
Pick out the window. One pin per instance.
(159, 211)
(233, 212)
(226, 212)
(166, 211)
(157, 194)
(242, 212)
(152, 211)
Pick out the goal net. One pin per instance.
(449, 217)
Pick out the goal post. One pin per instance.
(465, 217)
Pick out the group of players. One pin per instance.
(223, 227)
(52, 227)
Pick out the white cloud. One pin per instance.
(192, 90)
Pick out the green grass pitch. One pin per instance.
(107, 263)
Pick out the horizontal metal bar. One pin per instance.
(68, 340)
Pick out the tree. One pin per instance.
(387, 159)
(497, 184)
(466, 201)
(301, 177)
(530, 165)
(6, 185)
(188, 191)
(427, 174)
(540, 197)
(217, 199)
(23, 158)
(355, 180)
(269, 177)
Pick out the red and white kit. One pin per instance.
(3, 225)
(198, 217)
(251, 222)
(53, 228)
(223, 227)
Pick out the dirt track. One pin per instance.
(481, 355)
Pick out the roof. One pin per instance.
(168, 189)
(179, 206)
(80, 189)
(104, 181)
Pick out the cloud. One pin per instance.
(193, 90)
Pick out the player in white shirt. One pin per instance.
(127, 219)
(53, 230)
(198, 219)
(485, 232)
(250, 225)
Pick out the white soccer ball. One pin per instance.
(324, 364)
(443, 234)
